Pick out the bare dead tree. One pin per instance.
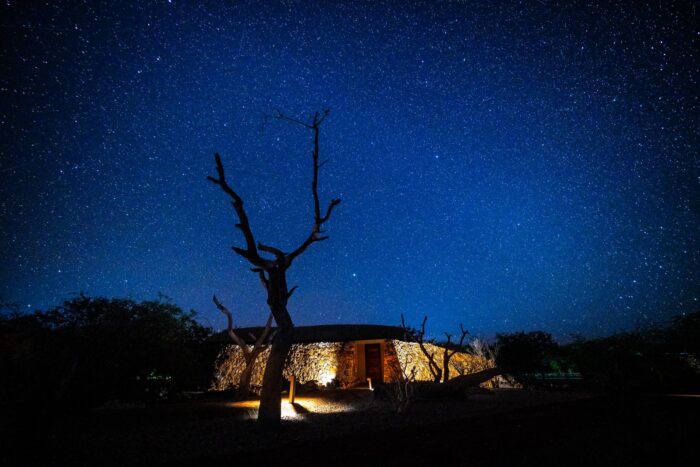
(400, 394)
(418, 336)
(480, 348)
(250, 355)
(271, 265)
(448, 354)
(482, 369)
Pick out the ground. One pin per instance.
(351, 428)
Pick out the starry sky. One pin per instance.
(507, 165)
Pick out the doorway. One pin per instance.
(373, 363)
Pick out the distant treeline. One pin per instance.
(661, 358)
(90, 351)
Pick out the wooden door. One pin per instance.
(373, 363)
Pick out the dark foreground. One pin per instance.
(507, 429)
(647, 430)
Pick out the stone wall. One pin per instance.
(321, 362)
(407, 355)
(313, 362)
(324, 362)
(347, 364)
(230, 364)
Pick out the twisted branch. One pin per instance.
(262, 339)
(460, 346)
(419, 338)
(250, 252)
(229, 326)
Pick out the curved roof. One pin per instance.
(323, 333)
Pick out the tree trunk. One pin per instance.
(445, 367)
(244, 383)
(475, 379)
(272, 272)
(269, 412)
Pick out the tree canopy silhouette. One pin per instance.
(91, 350)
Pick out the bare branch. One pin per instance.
(448, 354)
(291, 291)
(250, 252)
(334, 202)
(419, 338)
(270, 249)
(229, 327)
(465, 333)
(262, 339)
(422, 327)
(463, 336)
(323, 117)
(318, 218)
(280, 116)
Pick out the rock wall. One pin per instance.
(325, 362)
(405, 356)
(347, 364)
(230, 364)
(321, 362)
(313, 362)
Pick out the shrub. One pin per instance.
(92, 350)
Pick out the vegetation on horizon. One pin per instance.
(90, 351)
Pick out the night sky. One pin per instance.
(531, 165)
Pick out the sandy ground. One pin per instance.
(340, 428)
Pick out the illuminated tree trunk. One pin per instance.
(275, 282)
(246, 375)
(273, 271)
(270, 411)
(244, 383)
(445, 366)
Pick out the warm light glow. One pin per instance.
(325, 362)
(326, 376)
(289, 411)
(246, 404)
(409, 355)
(302, 406)
(316, 361)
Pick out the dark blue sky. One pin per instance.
(530, 165)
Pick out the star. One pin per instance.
(508, 178)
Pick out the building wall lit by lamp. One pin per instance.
(344, 363)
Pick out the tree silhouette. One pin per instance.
(450, 350)
(418, 336)
(272, 269)
(525, 352)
